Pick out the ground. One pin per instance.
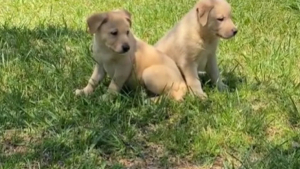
(45, 56)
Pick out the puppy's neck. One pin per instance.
(207, 35)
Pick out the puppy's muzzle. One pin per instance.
(234, 31)
(125, 47)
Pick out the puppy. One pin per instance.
(128, 60)
(193, 42)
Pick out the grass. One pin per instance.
(45, 57)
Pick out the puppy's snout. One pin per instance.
(234, 31)
(125, 47)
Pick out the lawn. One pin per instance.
(45, 56)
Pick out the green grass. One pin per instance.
(45, 57)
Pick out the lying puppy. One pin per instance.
(128, 60)
(193, 42)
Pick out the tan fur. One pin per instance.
(140, 64)
(193, 41)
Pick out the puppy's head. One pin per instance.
(215, 15)
(112, 28)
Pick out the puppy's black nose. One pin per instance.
(234, 31)
(125, 47)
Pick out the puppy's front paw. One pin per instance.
(104, 96)
(201, 95)
(222, 87)
(108, 96)
(85, 91)
(79, 92)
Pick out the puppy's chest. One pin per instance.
(120, 65)
(108, 62)
(110, 68)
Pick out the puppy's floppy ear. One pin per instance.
(95, 21)
(128, 15)
(203, 9)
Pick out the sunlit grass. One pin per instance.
(45, 56)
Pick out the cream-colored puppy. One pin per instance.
(193, 42)
(128, 60)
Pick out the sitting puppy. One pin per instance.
(193, 42)
(128, 60)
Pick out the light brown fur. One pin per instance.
(128, 60)
(193, 41)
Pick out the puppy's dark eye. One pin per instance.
(220, 19)
(114, 33)
(127, 32)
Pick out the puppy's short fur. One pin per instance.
(128, 60)
(193, 42)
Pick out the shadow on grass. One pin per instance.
(37, 63)
(50, 62)
(45, 42)
(43, 67)
(230, 78)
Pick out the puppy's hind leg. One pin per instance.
(189, 70)
(160, 79)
